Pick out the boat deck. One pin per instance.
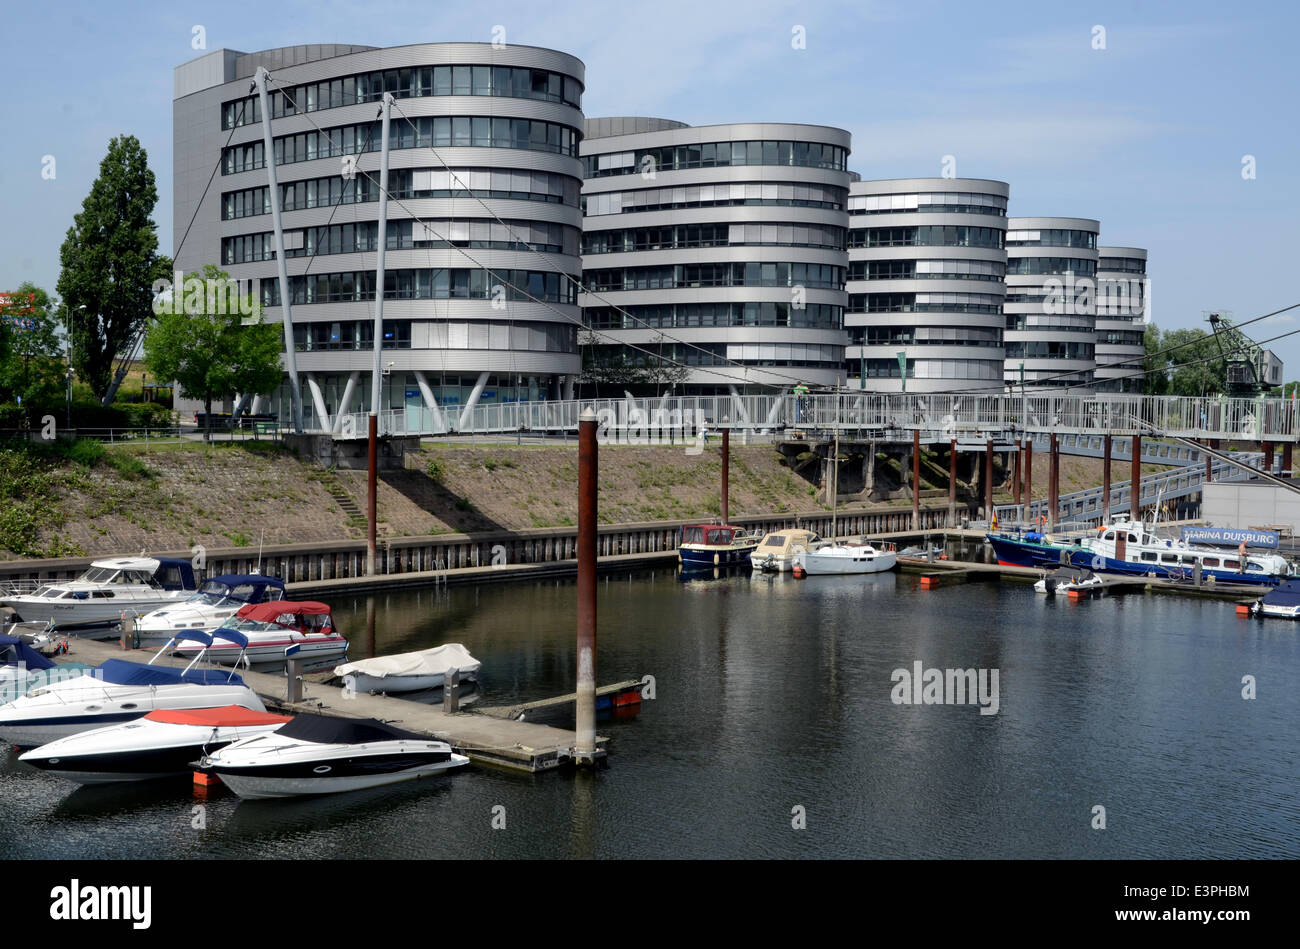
(523, 746)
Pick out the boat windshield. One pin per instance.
(101, 575)
(773, 540)
(692, 535)
(208, 598)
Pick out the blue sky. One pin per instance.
(1147, 135)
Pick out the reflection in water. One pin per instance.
(774, 692)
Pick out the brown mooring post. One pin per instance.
(585, 722)
(1209, 466)
(1268, 455)
(952, 483)
(988, 481)
(726, 472)
(1029, 478)
(916, 479)
(1105, 479)
(1286, 459)
(371, 504)
(1054, 483)
(1135, 478)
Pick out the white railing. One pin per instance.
(939, 416)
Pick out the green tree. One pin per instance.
(214, 353)
(1183, 362)
(110, 260)
(31, 363)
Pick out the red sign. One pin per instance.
(11, 304)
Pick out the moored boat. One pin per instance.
(1065, 579)
(217, 599)
(272, 627)
(714, 545)
(776, 551)
(105, 591)
(164, 743)
(118, 691)
(840, 559)
(315, 754)
(409, 671)
(1282, 602)
(1129, 547)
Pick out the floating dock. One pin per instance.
(490, 739)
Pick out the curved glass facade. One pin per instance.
(696, 255)
(500, 327)
(1121, 318)
(927, 266)
(1051, 302)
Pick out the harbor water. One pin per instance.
(1108, 728)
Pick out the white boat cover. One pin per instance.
(433, 661)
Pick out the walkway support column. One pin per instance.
(1268, 456)
(1029, 479)
(1286, 459)
(726, 472)
(585, 723)
(467, 414)
(1054, 483)
(952, 483)
(1015, 474)
(988, 481)
(1135, 478)
(1209, 467)
(916, 479)
(1105, 479)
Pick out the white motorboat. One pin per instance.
(1283, 602)
(217, 600)
(104, 592)
(775, 552)
(271, 627)
(23, 668)
(840, 559)
(315, 754)
(409, 671)
(117, 691)
(1061, 582)
(164, 743)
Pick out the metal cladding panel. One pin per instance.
(910, 185)
(738, 132)
(628, 125)
(1054, 223)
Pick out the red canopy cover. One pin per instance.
(270, 612)
(212, 717)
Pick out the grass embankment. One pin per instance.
(85, 498)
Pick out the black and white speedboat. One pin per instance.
(165, 743)
(118, 691)
(314, 754)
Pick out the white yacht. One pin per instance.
(831, 559)
(117, 691)
(265, 630)
(104, 592)
(217, 600)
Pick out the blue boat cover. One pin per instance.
(197, 635)
(122, 672)
(257, 581)
(1287, 594)
(13, 651)
(231, 635)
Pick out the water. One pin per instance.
(774, 694)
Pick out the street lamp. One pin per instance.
(68, 339)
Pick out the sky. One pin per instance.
(1149, 117)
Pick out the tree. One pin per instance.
(216, 352)
(31, 364)
(110, 261)
(1183, 362)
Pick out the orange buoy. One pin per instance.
(799, 572)
(1243, 609)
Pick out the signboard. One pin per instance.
(412, 393)
(1230, 537)
(15, 306)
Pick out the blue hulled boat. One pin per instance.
(715, 545)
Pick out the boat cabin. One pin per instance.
(241, 588)
(304, 616)
(781, 544)
(161, 573)
(711, 535)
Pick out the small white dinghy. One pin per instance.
(1063, 581)
(409, 671)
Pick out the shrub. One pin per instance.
(434, 470)
(85, 451)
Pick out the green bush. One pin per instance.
(129, 466)
(12, 416)
(434, 470)
(85, 451)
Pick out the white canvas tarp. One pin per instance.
(434, 661)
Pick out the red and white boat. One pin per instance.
(272, 627)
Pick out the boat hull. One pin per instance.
(705, 556)
(360, 682)
(817, 564)
(86, 613)
(261, 652)
(1011, 552)
(301, 779)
